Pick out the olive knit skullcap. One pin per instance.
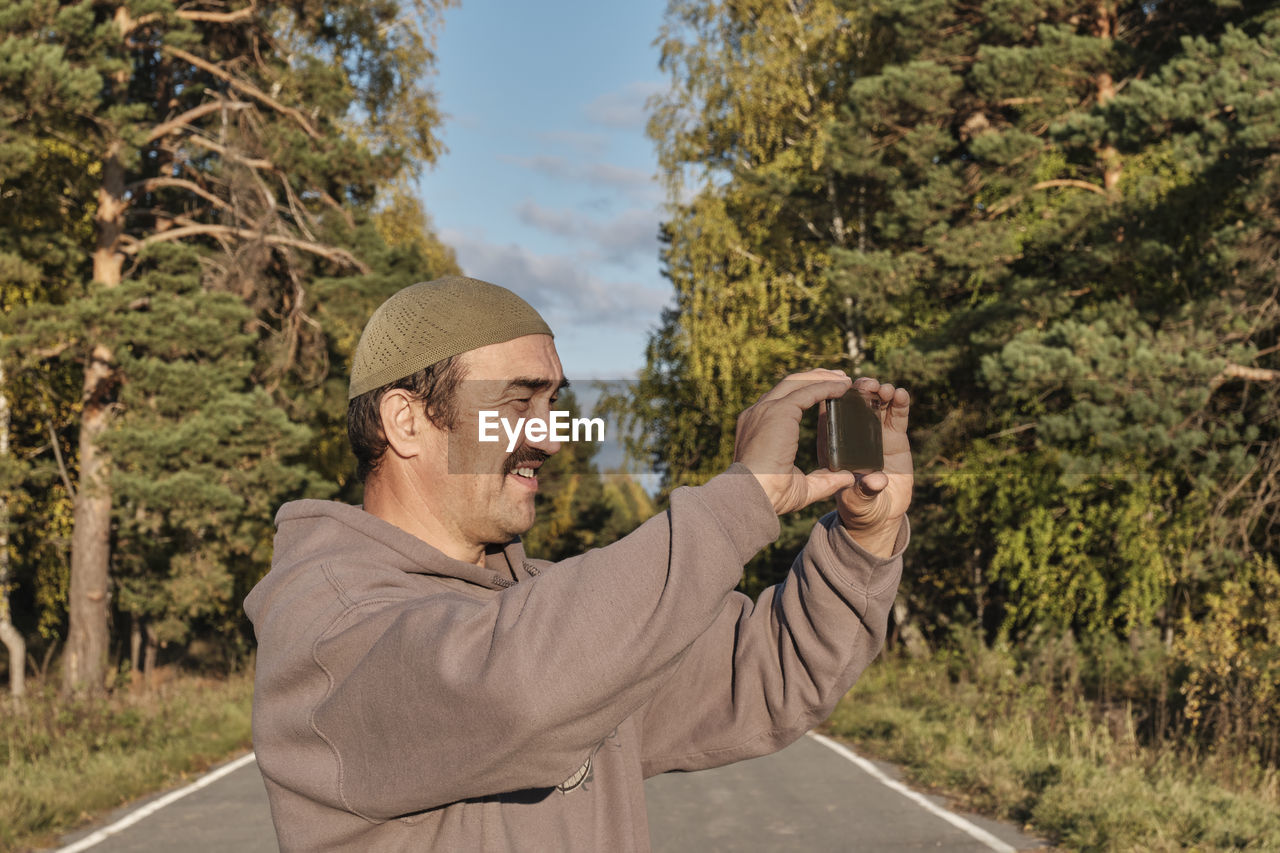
(433, 320)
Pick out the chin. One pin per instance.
(504, 533)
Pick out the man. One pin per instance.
(422, 684)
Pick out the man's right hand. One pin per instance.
(769, 435)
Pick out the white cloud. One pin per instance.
(562, 223)
(624, 108)
(585, 142)
(627, 238)
(636, 183)
(623, 177)
(562, 287)
(544, 164)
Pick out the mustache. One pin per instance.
(523, 456)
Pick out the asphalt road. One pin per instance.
(809, 797)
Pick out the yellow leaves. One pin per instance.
(1232, 654)
(562, 519)
(74, 156)
(403, 222)
(758, 80)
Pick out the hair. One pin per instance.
(435, 386)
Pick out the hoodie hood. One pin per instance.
(353, 543)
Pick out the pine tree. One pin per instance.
(229, 130)
(1057, 228)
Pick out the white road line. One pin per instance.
(154, 806)
(955, 820)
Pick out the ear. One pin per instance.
(402, 422)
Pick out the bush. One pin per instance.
(1232, 657)
(1061, 737)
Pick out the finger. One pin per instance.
(786, 386)
(901, 399)
(895, 424)
(804, 396)
(875, 392)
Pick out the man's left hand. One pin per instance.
(872, 509)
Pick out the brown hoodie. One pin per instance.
(409, 701)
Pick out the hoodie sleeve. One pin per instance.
(763, 674)
(454, 696)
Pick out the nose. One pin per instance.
(546, 441)
(549, 445)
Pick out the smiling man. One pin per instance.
(423, 684)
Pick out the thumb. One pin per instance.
(824, 483)
(861, 505)
(866, 488)
(871, 484)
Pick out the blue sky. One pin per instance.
(549, 186)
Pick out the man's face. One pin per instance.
(482, 493)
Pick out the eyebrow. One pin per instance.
(534, 384)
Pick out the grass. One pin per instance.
(1010, 746)
(63, 762)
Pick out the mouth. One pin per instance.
(526, 476)
(523, 467)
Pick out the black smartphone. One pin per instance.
(854, 439)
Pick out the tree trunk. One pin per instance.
(908, 632)
(17, 646)
(135, 651)
(1105, 28)
(88, 635)
(135, 644)
(9, 635)
(149, 656)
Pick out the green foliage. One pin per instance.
(195, 210)
(741, 140)
(200, 455)
(1056, 224)
(42, 232)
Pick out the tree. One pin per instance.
(1062, 298)
(39, 237)
(1052, 221)
(741, 134)
(229, 130)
